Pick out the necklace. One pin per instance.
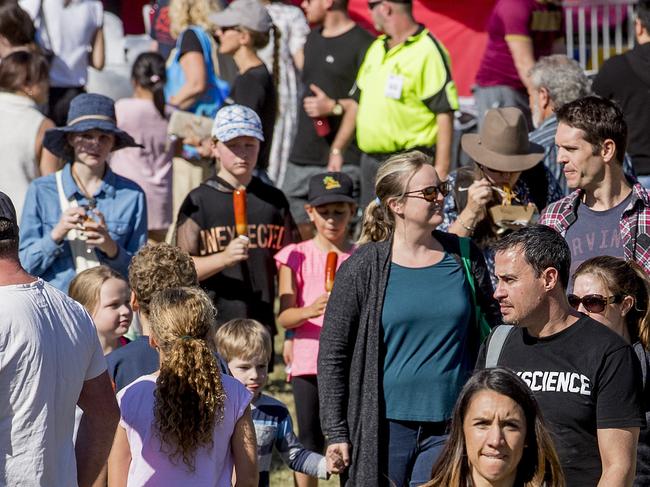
(92, 203)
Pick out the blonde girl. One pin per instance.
(186, 424)
(106, 296)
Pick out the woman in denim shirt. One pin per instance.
(85, 214)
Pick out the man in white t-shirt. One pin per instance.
(50, 361)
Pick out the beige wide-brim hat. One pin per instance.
(502, 143)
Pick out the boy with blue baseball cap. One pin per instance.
(237, 271)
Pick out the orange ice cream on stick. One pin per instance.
(239, 204)
(330, 270)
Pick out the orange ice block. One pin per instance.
(239, 204)
(330, 270)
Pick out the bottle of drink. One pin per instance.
(322, 126)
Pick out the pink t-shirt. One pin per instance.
(308, 265)
(150, 466)
(539, 20)
(151, 165)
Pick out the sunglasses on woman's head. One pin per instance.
(430, 193)
(594, 303)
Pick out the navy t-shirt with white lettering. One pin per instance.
(585, 378)
(596, 233)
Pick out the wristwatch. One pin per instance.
(337, 109)
(335, 152)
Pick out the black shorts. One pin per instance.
(305, 394)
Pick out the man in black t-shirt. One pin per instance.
(583, 374)
(238, 271)
(626, 79)
(333, 53)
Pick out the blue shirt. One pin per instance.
(122, 203)
(426, 325)
(274, 429)
(133, 360)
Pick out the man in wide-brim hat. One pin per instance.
(501, 153)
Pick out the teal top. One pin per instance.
(425, 321)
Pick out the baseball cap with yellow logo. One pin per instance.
(330, 187)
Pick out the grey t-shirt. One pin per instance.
(596, 233)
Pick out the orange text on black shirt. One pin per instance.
(262, 236)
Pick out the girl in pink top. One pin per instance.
(186, 424)
(303, 296)
(145, 117)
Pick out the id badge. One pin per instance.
(394, 86)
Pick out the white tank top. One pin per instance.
(19, 124)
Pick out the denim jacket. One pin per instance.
(122, 203)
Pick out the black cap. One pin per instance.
(330, 187)
(8, 212)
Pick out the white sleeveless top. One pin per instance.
(19, 124)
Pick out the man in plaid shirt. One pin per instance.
(604, 215)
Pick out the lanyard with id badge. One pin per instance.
(394, 86)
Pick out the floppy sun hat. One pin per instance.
(502, 143)
(237, 121)
(88, 111)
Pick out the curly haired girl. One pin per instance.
(186, 424)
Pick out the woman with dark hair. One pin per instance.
(145, 117)
(17, 30)
(497, 438)
(616, 292)
(23, 87)
(400, 332)
(84, 215)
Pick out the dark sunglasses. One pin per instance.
(229, 27)
(372, 5)
(594, 303)
(430, 193)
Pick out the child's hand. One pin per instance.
(338, 457)
(236, 251)
(317, 308)
(287, 352)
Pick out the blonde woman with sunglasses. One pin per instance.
(615, 292)
(399, 337)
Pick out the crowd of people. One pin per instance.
(485, 324)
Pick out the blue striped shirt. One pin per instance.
(274, 428)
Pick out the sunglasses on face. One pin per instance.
(229, 27)
(430, 193)
(372, 5)
(594, 303)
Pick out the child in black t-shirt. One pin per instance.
(237, 271)
(244, 27)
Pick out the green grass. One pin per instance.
(279, 388)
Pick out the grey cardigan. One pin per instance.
(349, 362)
